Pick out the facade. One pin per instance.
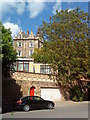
(25, 43)
(34, 78)
(28, 65)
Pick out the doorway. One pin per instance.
(32, 90)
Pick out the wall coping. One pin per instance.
(33, 73)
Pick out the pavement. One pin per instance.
(63, 109)
(68, 103)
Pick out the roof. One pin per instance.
(21, 35)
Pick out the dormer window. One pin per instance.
(31, 36)
(19, 35)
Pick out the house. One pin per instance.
(25, 43)
(34, 78)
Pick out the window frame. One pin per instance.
(22, 62)
(31, 44)
(19, 44)
(30, 52)
(19, 55)
(45, 68)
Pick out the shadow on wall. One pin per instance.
(10, 93)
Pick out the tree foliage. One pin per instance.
(66, 48)
(8, 55)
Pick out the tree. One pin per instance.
(67, 44)
(40, 55)
(8, 53)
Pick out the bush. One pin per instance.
(77, 94)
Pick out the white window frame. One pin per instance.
(18, 44)
(20, 53)
(31, 44)
(30, 52)
(45, 69)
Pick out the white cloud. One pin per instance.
(35, 8)
(57, 6)
(12, 7)
(14, 28)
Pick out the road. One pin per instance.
(76, 110)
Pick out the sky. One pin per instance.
(29, 15)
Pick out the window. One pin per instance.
(37, 98)
(22, 66)
(19, 44)
(25, 98)
(19, 36)
(19, 53)
(15, 66)
(30, 52)
(31, 44)
(45, 69)
(26, 67)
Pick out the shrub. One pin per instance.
(77, 94)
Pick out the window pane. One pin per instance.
(45, 69)
(15, 67)
(20, 67)
(19, 44)
(26, 67)
(30, 52)
(19, 36)
(31, 44)
(37, 98)
(19, 53)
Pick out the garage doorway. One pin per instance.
(32, 91)
(51, 94)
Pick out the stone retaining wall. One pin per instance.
(34, 77)
(26, 80)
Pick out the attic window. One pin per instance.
(32, 36)
(19, 36)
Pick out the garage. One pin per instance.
(51, 94)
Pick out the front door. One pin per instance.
(32, 91)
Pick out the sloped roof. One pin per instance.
(23, 35)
